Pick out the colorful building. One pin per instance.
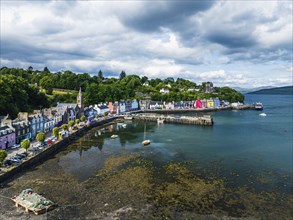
(217, 103)
(113, 107)
(134, 105)
(198, 103)
(7, 137)
(128, 105)
(121, 107)
(204, 103)
(22, 130)
(210, 103)
(169, 105)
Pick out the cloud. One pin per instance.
(150, 17)
(235, 42)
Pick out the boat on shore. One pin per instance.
(33, 202)
(258, 106)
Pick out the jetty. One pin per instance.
(34, 202)
(205, 120)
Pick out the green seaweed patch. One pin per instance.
(115, 163)
(188, 192)
(244, 202)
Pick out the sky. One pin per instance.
(230, 43)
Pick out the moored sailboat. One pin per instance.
(145, 141)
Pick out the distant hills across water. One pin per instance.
(285, 90)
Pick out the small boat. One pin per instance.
(263, 114)
(145, 141)
(258, 106)
(114, 136)
(160, 121)
(34, 202)
(128, 117)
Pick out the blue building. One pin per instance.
(36, 124)
(217, 103)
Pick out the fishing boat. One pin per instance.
(145, 141)
(258, 106)
(33, 202)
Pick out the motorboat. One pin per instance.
(263, 114)
(258, 106)
(114, 136)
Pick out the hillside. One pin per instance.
(286, 90)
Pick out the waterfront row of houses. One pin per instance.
(124, 107)
(27, 126)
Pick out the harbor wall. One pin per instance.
(49, 152)
(205, 121)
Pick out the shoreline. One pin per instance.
(60, 145)
(49, 152)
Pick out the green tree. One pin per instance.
(46, 70)
(71, 123)
(77, 121)
(82, 118)
(41, 137)
(3, 155)
(47, 83)
(55, 132)
(122, 75)
(100, 75)
(65, 127)
(25, 144)
(106, 114)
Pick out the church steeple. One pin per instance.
(80, 102)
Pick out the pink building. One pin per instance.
(7, 137)
(198, 104)
(113, 107)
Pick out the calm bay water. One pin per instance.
(242, 147)
(240, 142)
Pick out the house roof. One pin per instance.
(69, 105)
(4, 130)
(103, 107)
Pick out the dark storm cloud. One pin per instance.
(163, 14)
(232, 40)
(14, 49)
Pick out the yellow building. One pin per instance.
(210, 103)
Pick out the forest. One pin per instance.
(29, 89)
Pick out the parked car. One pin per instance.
(7, 163)
(15, 146)
(15, 160)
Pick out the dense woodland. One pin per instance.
(25, 90)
